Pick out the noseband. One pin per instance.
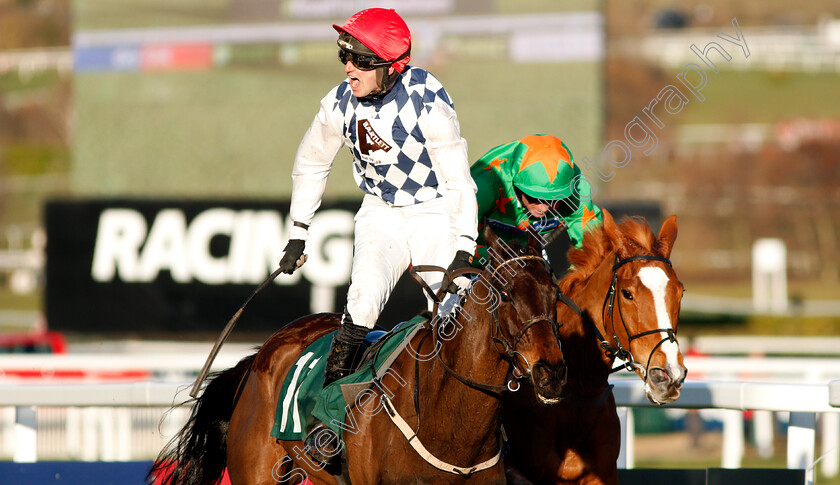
(618, 349)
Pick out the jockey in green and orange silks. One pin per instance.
(532, 185)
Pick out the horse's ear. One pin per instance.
(667, 236)
(535, 243)
(613, 232)
(608, 221)
(491, 240)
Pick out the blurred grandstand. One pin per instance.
(209, 99)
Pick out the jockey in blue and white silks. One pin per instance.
(388, 139)
(409, 158)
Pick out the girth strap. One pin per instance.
(421, 450)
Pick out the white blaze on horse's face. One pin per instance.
(656, 280)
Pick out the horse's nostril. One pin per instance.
(542, 375)
(659, 377)
(549, 375)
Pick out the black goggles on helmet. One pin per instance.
(554, 204)
(364, 62)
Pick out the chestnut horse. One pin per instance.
(448, 395)
(629, 301)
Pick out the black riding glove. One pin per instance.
(293, 257)
(462, 260)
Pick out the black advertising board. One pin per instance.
(185, 266)
(164, 267)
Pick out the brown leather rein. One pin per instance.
(508, 347)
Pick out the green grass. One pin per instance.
(24, 162)
(515, 7)
(764, 97)
(231, 132)
(11, 82)
(234, 131)
(699, 324)
(113, 14)
(808, 289)
(34, 159)
(11, 301)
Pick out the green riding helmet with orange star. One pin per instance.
(532, 182)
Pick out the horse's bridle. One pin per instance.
(618, 349)
(495, 391)
(508, 346)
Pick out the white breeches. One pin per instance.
(387, 240)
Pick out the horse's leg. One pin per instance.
(532, 430)
(253, 456)
(604, 447)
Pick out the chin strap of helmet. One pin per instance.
(385, 81)
(379, 93)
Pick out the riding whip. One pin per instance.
(229, 328)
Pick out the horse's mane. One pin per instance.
(632, 235)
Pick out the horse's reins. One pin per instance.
(508, 347)
(493, 390)
(618, 349)
(509, 351)
(436, 299)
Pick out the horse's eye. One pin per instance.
(504, 296)
(626, 294)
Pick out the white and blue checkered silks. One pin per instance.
(411, 151)
(391, 160)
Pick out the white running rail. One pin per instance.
(104, 402)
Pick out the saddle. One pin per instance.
(303, 402)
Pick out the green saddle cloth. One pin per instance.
(304, 401)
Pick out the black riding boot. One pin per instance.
(344, 351)
(340, 363)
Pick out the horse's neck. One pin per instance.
(471, 351)
(582, 346)
(471, 354)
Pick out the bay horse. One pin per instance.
(448, 395)
(623, 301)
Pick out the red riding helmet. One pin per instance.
(383, 31)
